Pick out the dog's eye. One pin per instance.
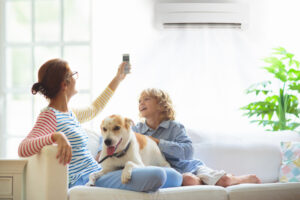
(116, 128)
(104, 129)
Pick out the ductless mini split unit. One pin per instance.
(201, 15)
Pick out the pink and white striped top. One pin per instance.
(51, 120)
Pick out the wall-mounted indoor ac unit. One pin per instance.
(199, 15)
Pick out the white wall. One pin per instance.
(120, 27)
(205, 71)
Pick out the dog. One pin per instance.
(122, 148)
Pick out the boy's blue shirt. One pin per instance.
(174, 143)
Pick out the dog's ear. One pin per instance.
(128, 123)
(101, 125)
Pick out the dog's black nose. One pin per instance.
(107, 142)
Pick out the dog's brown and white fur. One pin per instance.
(117, 134)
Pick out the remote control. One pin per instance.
(126, 59)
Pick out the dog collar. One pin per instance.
(118, 155)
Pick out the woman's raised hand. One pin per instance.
(64, 153)
(121, 74)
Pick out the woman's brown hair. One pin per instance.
(50, 76)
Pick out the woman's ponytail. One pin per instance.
(37, 87)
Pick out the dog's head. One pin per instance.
(116, 131)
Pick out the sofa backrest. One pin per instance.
(246, 153)
(93, 142)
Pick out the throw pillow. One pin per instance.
(290, 165)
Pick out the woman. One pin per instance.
(61, 125)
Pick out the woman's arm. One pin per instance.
(40, 136)
(119, 77)
(86, 114)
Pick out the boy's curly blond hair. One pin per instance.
(163, 99)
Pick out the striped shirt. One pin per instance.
(51, 120)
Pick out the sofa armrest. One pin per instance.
(46, 178)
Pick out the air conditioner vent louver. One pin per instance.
(202, 25)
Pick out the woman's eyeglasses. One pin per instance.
(75, 75)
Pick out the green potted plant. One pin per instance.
(278, 109)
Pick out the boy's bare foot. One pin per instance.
(228, 180)
(190, 179)
(248, 179)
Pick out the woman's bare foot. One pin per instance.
(190, 179)
(228, 180)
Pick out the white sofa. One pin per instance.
(244, 153)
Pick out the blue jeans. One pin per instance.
(146, 179)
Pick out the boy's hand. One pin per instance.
(155, 139)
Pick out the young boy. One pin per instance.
(155, 106)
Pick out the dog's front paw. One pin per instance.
(126, 176)
(92, 180)
(90, 184)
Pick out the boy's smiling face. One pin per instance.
(149, 107)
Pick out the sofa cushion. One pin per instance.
(290, 165)
(191, 193)
(259, 152)
(241, 158)
(270, 191)
(93, 142)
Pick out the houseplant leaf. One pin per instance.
(285, 105)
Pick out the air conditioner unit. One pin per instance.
(199, 15)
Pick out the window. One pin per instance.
(32, 32)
